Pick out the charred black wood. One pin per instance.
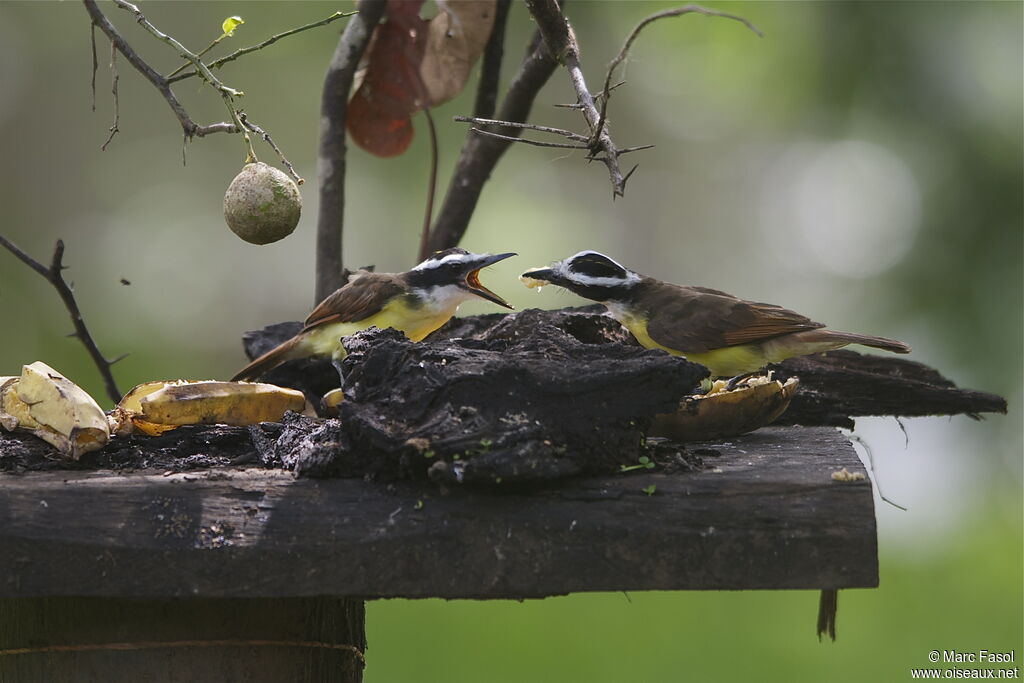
(525, 402)
(840, 385)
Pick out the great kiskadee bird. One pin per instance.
(729, 336)
(416, 303)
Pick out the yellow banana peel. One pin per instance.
(55, 409)
(755, 402)
(155, 407)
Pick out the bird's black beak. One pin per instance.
(538, 277)
(473, 277)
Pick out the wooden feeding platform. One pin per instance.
(202, 554)
(238, 555)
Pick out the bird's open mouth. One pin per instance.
(475, 286)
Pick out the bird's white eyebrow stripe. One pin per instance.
(588, 280)
(433, 263)
(562, 269)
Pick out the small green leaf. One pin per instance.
(649, 490)
(230, 24)
(418, 505)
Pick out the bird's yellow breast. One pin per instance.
(414, 322)
(727, 361)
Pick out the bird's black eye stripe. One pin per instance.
(596, 265)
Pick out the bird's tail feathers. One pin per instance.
(268, 361)
(843, 338)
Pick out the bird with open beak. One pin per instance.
(415, 302)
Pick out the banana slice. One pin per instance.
(755, 402)
(55, 409)
(155, 407)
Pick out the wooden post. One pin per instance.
(106, 640)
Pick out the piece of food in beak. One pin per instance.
(533, 282)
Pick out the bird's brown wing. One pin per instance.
(698, 319)
(361, 297)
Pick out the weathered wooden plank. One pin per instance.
(113, 640)
(765, 515)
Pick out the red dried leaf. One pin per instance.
(380, 112)
(413, 63)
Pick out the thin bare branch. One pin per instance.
(54, 276)
(527, 141)
(428, 214)
(596, 97)
(640, 148)
(332, 150)
(226, 93)
(527, 126)
(265, 136)
(190, 128)
(624, 52)
(95, 63)
(174, 77)
(117, 100)
(213, 44)
(184, 52)
(561, 39)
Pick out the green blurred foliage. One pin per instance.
(860, 163)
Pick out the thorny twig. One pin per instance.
(561, 40)
(526, 141)
(598, 96)
(189, 127)
(54, 277)
(174, 76)
(528, 126)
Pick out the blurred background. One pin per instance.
(861, 163)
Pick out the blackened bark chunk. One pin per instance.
(840, 385)
(522, 402)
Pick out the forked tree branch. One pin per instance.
(190, 127)
(163, 85)
(561, 39)
(54, 276)
(558, 34)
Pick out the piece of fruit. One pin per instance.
(533, 283)
(262, 204)
(754, 403)
(55, 409)
(155, 407)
